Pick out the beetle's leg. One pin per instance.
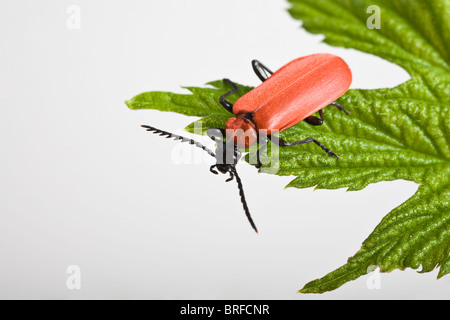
(231, 176)
(258, 153)
(261, 70)
(340, 107)
(212, 169)
(225, 103)
(313, 120)
(283, 143)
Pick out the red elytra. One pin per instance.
(290, 95)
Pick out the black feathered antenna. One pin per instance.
(231, 167)
(176, 137)
(241, 193)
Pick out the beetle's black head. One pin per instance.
(223, 168)
(227, 153)
(227, 156)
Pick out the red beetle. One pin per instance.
(291, 94)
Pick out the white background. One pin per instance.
(82, 184)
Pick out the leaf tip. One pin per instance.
(307, 290)
(129, 104)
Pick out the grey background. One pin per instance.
(82, 184)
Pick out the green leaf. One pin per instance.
(390, 134)
(415, 234)
(412, 123)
